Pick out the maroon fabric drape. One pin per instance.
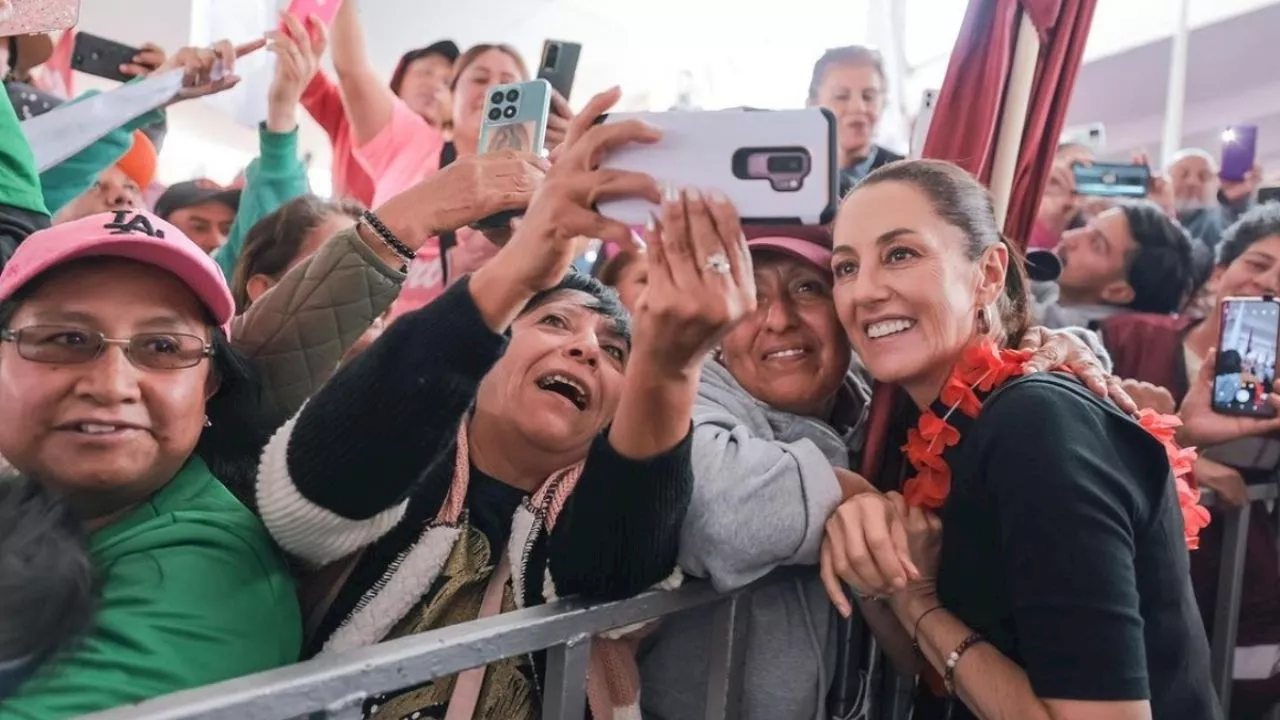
(966, 121)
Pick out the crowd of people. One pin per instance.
(245, 426)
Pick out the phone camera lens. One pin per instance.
(495, 113)
(513, 95)
(509, 112)
(553, 56)
(496, 98)
(786, 164)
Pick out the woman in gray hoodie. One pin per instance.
(778, 422)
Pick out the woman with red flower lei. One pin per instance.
(1035, 564)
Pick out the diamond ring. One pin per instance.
(719, 264)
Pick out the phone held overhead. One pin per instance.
(515, 118)
(1245, 370)
(775, 166)
(100, 57)
(559, 65)
(1239, 152)
(1112, 179)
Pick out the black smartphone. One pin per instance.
(1112, 180)
(559, 64)
(101, 57)
(1269, 194)
(1246, 367)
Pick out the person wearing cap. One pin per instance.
(203, 209)
(119, 187)
(1131, 258)
(120, 393)
(778, 424)
(421, 80)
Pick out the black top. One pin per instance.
(1063, 546)
(491, 504)
(384, 430)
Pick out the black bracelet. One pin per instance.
(949, 677)
(387, 237)
(915, 632)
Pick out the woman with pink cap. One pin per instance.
(119, 393)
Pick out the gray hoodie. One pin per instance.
(763, 490)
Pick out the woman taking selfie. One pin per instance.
(1052, 582)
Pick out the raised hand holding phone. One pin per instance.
(322, 10)
(298, 51)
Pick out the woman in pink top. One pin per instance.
(421, 80)
(399, 148)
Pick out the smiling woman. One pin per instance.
(113, 358)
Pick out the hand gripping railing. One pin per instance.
(335, 687)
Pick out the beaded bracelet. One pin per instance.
(387, 237)
(949, 677)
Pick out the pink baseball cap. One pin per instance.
(807, 250)
(130, 234)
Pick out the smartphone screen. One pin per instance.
(1112, 180)
(1239, 152)
(1246, 365)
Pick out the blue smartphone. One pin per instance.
(1112, 180)
(515, 117)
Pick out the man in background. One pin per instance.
(202, 209)
(1206, 204)
(1130, 258)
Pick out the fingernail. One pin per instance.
(670, 193)
(717, 197)
(641, 245)
(651, 223)
(693, 194)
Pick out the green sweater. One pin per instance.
(273, 179)
(193, 592)
(19, 183)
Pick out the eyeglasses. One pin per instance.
(64, 345)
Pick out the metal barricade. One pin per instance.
(1226, 616)
(336, 687)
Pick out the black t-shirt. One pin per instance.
(1063, 546)
(491, 505)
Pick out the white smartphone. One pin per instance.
(776, 166)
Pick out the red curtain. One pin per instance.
(966, 121)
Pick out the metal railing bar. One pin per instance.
(728, 659)
(312, 686)
(1226, 615)
(565, 696)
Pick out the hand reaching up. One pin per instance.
(207, 71)
(298, 54)
(700, 281)
(1202, 426)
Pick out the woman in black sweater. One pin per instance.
(495, 429)
(1053, 581)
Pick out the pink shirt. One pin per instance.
(323, 100)
(405, 153)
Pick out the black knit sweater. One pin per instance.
(382, 434)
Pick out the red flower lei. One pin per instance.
(984, 367)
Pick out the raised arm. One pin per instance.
(367, 98)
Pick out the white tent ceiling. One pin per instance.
(727, 51)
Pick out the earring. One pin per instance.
(207, 421)
(984, 325)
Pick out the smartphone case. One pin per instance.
(101, 57)
(326, 10)
(522, 117)
(1239, 153)
(706, 149)
(40, 16)
(559, 64)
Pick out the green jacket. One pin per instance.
(274, 178)
(19, 183)
(193, 592)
